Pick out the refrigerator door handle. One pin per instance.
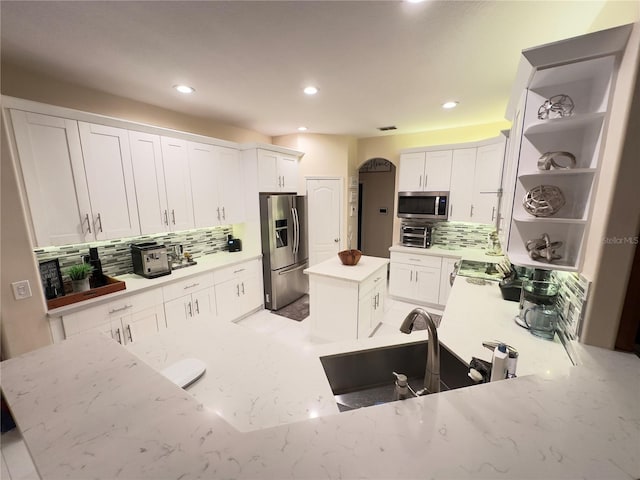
(289, 270)
(296, 230)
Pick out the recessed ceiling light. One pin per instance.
(184, 88)
(310, 90)
(302, 129)
(415, 1)
(449, 105)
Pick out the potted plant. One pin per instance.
(79, 275)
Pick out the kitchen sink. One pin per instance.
(364, 378)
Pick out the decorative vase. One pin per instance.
(80, 285)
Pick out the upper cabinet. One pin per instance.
(564, 112)
(53, 172)
(175, 160)
(277, 172)
(425, 171)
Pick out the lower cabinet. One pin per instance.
(238, 289)
(448, 267)
(187, 299)
(415, 277)
(343, 309)
(125, 320)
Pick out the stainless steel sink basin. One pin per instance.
(365, 378)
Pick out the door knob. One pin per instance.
(336, 240)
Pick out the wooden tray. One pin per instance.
(112, 285)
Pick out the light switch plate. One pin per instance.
(21, 289)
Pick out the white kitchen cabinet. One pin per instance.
(175, 161)
(415, 277)
(187, 299)
(346, 303)
(238, 290)
(231, 186)
(449, 265)
(277, 172)
(109, 174)
(425, 171)
(588, 84)
(461, 192)
(53, 171)
(125, 320)
(149, 178)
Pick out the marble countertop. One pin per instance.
(90, 408)
(466, 253)
(137, 284)
(356, 273)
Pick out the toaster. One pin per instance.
(150, 259)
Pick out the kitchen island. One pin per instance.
(90, 408)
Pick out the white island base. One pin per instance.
(346, 302)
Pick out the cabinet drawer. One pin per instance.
(135, 303)
(187, 286)
(231, 272)
(379, 277)
(416, 259)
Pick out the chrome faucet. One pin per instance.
(432, 369)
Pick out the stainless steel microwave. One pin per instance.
(423, 205)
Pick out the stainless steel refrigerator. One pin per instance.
(283, 227)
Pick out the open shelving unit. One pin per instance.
(589, 84)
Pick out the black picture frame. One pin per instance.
(50, 269)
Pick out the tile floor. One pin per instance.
(16, 464)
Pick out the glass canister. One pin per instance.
(539, 295)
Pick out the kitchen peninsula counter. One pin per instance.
(90, 408)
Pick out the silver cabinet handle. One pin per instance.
(416, 276)
(377, 280)
(224, 215)
(120, 309)
(197, 307)
(411, 277)
(493, 213)
(218, 209)
(119, 338)
(242, 287)
(451, 210)
(166, 218)
(100, 222)
(420, 181)
(238, 271)
(471, 211)
(173, 216)
(129, 330)
(237, 289)
(190, 310)
(191, 286)
(88, 222)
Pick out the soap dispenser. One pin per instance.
(402, 389)
(499, 363)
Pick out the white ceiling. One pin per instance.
(376, 63)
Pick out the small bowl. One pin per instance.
(350, 257)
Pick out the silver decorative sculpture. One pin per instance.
(543, 201)
(559, 160)
(557, 106)
(543, 249)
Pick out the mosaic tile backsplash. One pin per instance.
(572, 300)
(115, 255)
(461, 234)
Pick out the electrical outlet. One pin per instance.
(21, 289)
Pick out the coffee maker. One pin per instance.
(538, 312)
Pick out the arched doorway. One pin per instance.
(376, 195)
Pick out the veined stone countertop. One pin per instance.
(466, 253)
(356, 273)
(137, 284)
(89, 408)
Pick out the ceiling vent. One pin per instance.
(386, 129)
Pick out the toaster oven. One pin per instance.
(414, 235)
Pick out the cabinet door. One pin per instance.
(203, 167)
(488, 171)
(176, 311)
(437, 171)
(378, 313)
(366, 312)
(448, 266)
(203, 303)
(427, 284)
(411, 176)
(142, 324)
(252, 293)
(288, 173)
(178, 183)
(268, 179)
(148, 175)
(485, 208)
(107, 163)
(53, 171)
(231, 186)
(401, 280)
(461, 193)
(227, 295)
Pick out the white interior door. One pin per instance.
(324, 218)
